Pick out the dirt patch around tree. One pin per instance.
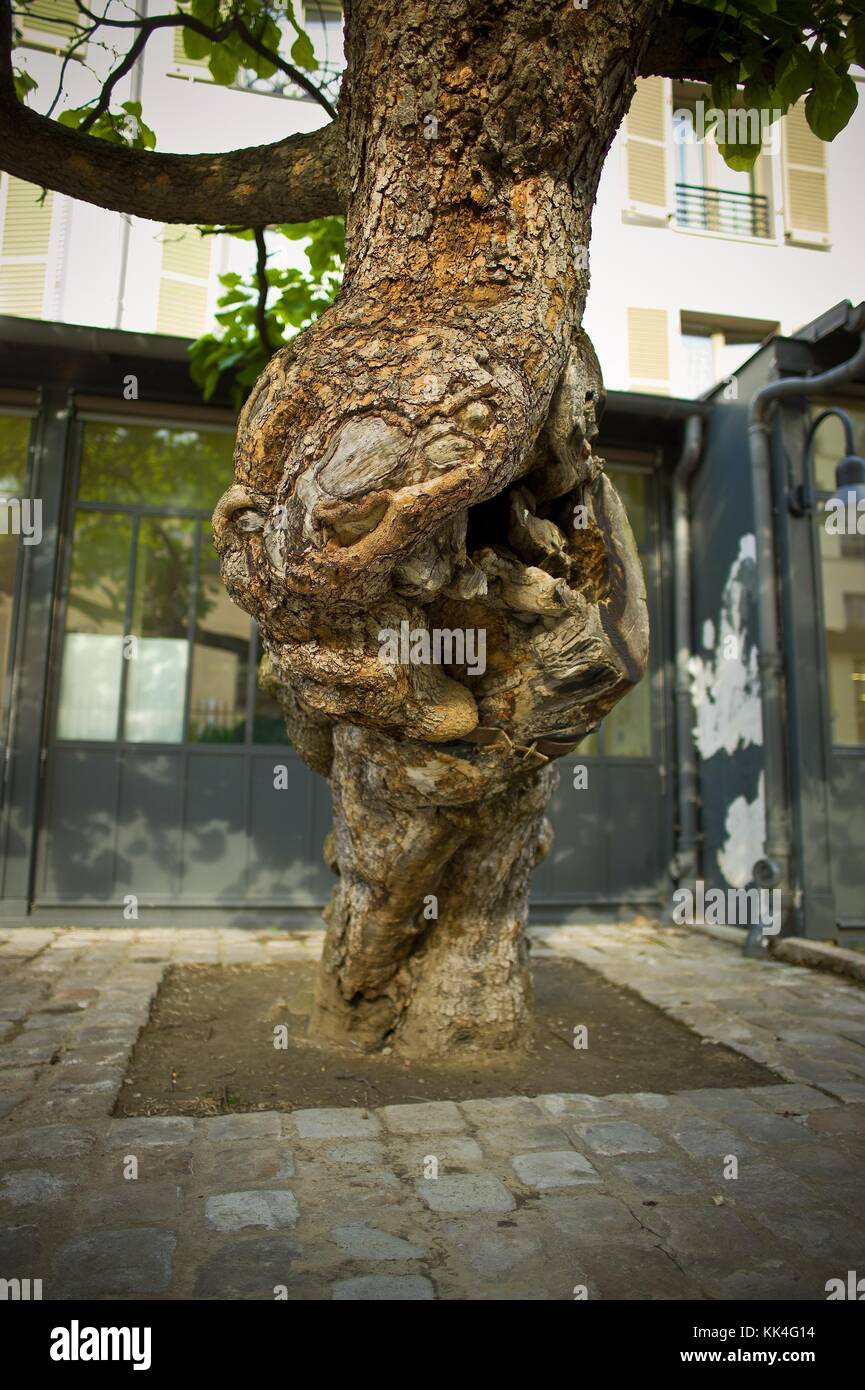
(208, 1048)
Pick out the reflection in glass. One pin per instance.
(269, 723)
(633, 488)
(829, 445)
(843, 566)
(137, 464)
(628, 726)
(627, 730)
(92, 657)
(220, 657)
(158, 659)
(14, 436)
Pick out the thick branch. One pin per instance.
(294, 180)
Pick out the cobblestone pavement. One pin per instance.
(623, 1196)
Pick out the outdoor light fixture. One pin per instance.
(849, 472)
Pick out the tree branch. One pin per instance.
(261, 306)
(235, 25)
(295, 180)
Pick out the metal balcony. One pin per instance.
(722, 210)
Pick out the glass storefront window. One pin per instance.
(158, 655)
(139, 465)
(220, 657)
(627, 730)
(829, 445)
(14, 441)
(92, 658)
(173, 653)
(843, 568)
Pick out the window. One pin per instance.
(14, 442)
(713, 349)
(154, 651)
(48, 24)
(842, 563)
(710, 196)
(322, 22)
(627, 730)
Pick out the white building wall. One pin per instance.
(681, 270)
(633, 267)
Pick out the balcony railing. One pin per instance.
(722, 210)
(327, 77)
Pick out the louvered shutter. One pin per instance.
(184, 285)
(649, 350)
(181, 58)
(806, 202)
(24, 247)
(45, 16)
(646, 127)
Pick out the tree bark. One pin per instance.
(421, 456)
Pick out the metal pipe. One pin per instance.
(685, 860)
(773, 869)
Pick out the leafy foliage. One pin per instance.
(123, 127)
(225, 58)
(779, 51)
(237, 347)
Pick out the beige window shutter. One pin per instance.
(649, 350)
(806, 200)
(47, 18)
(24, 247)
(184, 285)
(181, 58)
(646, 132)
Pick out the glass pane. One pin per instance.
(829, 447)
(628, 726)
(843, 564)
(220, 657)
(590, 747)
(633, 488)
(269, 722)
(153, 467)
(92, 654)
(159, 657)
(699, 362)
(14, 437)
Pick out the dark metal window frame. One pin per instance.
(137, 511)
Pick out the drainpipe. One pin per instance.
(685, 865)
(126, 229)
(773, 869)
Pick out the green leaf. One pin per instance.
(196, 45)
(740, 157)
(223, 65)
(71, 118)
(856, 35)
(831, 104)
(302, 54)
(795, 75)
(724, 88)
(207, 11)
(24, 83)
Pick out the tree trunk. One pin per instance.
(419, 461)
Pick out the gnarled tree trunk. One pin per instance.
(421, 456)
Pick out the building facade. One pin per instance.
(144, 771)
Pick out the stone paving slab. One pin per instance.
(706, 1194)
